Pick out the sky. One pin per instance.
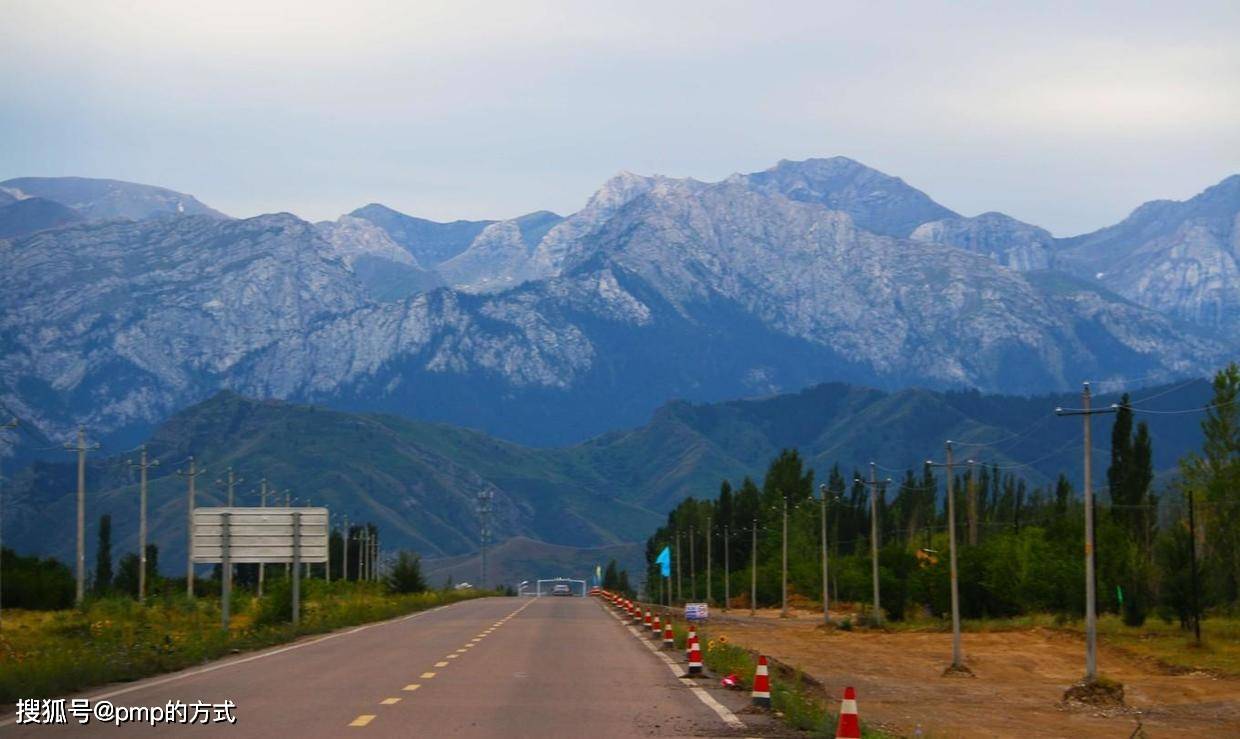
(1067, 115)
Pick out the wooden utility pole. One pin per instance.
(80, 448)
(1091, 614)
(143, 465)
(191, 475)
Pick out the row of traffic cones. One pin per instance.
(849, 726)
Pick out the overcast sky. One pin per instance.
(1063, 116)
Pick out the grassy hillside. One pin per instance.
(418, 481)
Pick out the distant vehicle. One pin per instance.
(464, 586)
(561, 589)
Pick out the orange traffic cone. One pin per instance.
(656, 629)
(695, 658)
(669, 638)
(850, 725)
(762, 684)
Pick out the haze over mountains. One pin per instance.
(123, 304)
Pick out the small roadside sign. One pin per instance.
(697, 611)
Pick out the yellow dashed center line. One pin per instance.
(441, 664)
(411, 687)
(362, 720)
(427, 675)
(389, 701)
(452, 656)
(460, 651)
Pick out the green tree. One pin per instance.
(406, 574)
(611, 578)
(103, 557)
(1213, 477)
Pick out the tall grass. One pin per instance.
(44, 654)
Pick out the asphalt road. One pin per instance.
(492, 667)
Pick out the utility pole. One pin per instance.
(230, 483)
(374, 562)
(826, 610)
(710, 541)
(262, 567)
(288, 503)
(783, 607)
(10, 425)
(874, 485)
(1091, 615)
(191, 475)
(957, 659)
(364, 554)
(344, 540)
(143, 465)
(484, 524)
(81, 449)
(753, 571)
(972, 505)
(727, 569)
(692, 567)
(1192, 562)
(680, 593)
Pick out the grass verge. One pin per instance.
(51, 653)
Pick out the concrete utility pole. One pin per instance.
(783, 607)
(191, 475)
(344, 540)
(1091, 614)
(229, 484)
(692, 567)
(710, 542)
(957, 659)
(753, 571)
(363, 553)
(81, 449)
(680, 593)
(727, 569)
(143, 465)
(262, 567)
(972, 505)
(874, 485)
(485, 499)
(826, 599)
(10, 425)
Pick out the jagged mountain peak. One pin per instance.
(878, 202)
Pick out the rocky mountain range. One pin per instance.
(549, 329)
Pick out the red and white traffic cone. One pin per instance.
(637, 614)
(761, 684)
(695, 658)
(656, 630)
(648, 619)
(850, 724)
(692, 637)
(669, 637)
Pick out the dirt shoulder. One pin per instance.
(1017, 690)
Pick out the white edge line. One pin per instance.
(724, 713)
(144, 684)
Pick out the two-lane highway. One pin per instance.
(481, 668)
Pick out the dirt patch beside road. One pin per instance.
(1017, 691)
